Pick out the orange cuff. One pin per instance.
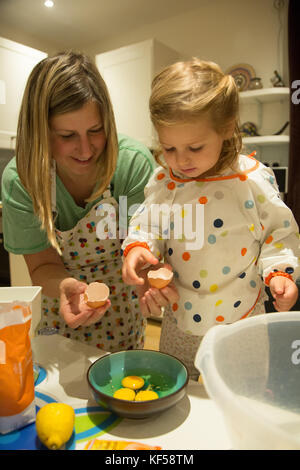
(277, 273)
(133, 245)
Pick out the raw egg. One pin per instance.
(160, 278)
(125, 394)
(96, 294)
(133, 381)
(144, 395)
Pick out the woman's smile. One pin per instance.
(82, 161)
(77, 140)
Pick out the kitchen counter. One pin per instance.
(194, 423)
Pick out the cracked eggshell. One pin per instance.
(160, 278)
(96, 294)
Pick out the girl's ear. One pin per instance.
(229, 131)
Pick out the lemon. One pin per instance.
(125, 394)
(133, 381)
(54, 424)
(145, 395)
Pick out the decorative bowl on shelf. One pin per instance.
(255, 83)
(242, 74)
(249, 129)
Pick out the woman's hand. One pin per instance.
(73, 308)
(284, 292)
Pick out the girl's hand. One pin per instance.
(151, 299)
(136, 258)
(284, 292)
(73, 309)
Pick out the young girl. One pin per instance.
(249, 236)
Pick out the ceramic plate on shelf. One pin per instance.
(242, 74)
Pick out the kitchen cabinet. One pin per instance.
(13, 268)
(19, 274)
(268, 108)
(16, 63)
(128, 73)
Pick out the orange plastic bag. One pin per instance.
(17, 406)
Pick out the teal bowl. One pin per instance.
(163, 373)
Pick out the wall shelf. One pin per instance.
(270, 108)
(264, 95)
(266, 140)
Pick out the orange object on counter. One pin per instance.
(17, 407)
(101, 444)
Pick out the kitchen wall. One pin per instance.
(225, 31)
(229, 32)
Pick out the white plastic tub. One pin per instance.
(251, 369)
(30, 294)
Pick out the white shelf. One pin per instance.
(266, 140)
(264, 95)
(259, 98)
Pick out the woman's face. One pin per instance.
(77, 140)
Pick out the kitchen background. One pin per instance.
(131, 40)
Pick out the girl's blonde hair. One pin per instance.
(186, 91)
(57, 85)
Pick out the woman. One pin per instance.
(69, 160)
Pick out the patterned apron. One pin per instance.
(89, 259)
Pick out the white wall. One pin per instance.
(225, 31)
(16, 35)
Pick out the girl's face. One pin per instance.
(77, 140)
(191, 149)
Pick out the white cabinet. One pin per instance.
(19, 274)
(268, 108)
(128, 73)
(16, 63)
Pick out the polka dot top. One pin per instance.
(222, 236)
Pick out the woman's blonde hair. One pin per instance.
(186, 91)
(57, 85)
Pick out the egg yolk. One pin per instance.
(144, 395)
(133, 381)
(125, 394)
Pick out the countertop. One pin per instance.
(195, 423)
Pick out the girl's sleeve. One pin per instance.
(279, 241)
(145, 225)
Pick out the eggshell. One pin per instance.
(96, 294)
(160, 278)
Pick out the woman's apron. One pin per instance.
(89, 259)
